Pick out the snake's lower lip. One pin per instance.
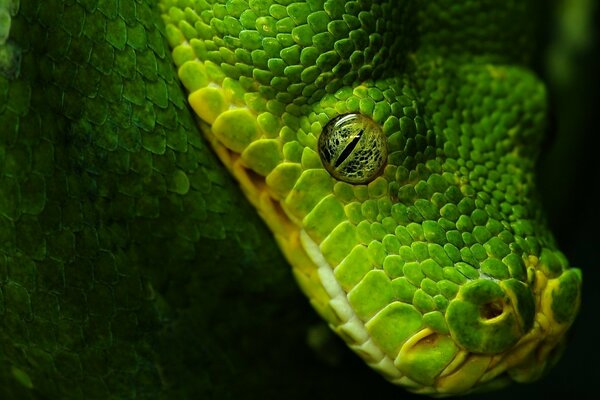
(348, 325)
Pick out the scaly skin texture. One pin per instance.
(130, 267)
(441, 272)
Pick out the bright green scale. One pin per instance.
(390, 147)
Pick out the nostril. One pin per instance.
(491, 310)
(485, 318)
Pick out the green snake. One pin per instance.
(389, 146)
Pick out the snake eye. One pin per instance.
(353, 148)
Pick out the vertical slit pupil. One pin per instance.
(348, 150)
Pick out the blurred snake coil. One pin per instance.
(388, 145)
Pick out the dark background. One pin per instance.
(569, 176)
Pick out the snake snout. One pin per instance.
(489, 317)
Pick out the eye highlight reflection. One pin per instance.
(353, 148)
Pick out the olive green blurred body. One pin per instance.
(130, 265)
(127, 255)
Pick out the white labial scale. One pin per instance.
(340, 306)
(387, 367)
(355, 329)
(352, 326)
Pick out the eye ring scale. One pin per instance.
(353, 148)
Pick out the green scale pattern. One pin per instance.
(293, 52)
(452, 236)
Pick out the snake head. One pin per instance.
(390, 147)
